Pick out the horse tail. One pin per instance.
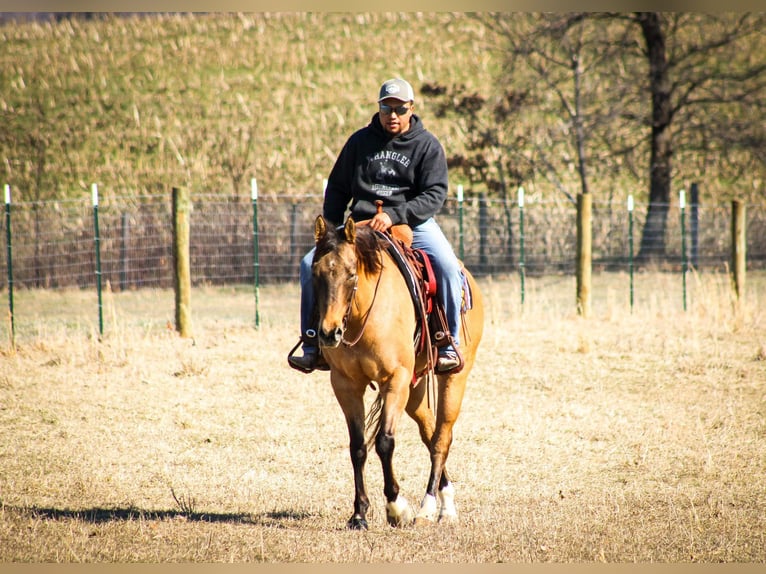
(372, 420)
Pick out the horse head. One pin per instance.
(334, 273)
(342, 255)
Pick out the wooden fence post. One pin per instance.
(584, 253)
(182, 270)
(738, 248)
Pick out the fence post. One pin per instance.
(630, 247)
(738, 248)
(460, 219)
(9, 251)
(483, 228)
(94, 189)
(125, 223)
(584, 253)
(694, 224)
(256, 251)
(294, 254)
(684, 264)
(182, 268)
(522, 270)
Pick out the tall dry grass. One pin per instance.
(141, 104)
(631, 436)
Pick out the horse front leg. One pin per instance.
(398, 510)
(351, 402)
(358, 451)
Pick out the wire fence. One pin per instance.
(127, 243)
(53, 243)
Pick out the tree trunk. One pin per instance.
(653, 237)
(578, 121)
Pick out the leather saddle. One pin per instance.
(431, 331)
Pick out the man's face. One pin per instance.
(395, 115)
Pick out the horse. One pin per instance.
(367, 322)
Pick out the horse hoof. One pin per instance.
(448, 512)
(399, 513)
(357, 523)
(428, 511)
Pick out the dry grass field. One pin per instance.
(625, 437)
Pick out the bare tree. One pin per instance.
(703, 75)
(660, 162)
(699, 66)
(560, 62)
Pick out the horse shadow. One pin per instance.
(101, 515)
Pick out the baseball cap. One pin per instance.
(398, 89)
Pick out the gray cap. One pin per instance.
(398, 89)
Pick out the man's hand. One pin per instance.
(381, 221)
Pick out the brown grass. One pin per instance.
(626, 437)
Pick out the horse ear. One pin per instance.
(320, 228)
(350, 230)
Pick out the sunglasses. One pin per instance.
(387, 110)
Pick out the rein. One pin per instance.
(366, 315)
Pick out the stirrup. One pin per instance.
(453, 362)
(318, 363)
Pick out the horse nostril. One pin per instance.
(331, 337)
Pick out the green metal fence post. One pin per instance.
(460, 219)
(256, 250)
(630, 244)
(94, 189)
(10, 261)
(682, 203)
(522, 271)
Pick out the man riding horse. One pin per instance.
(396, 160)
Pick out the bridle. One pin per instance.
(351, 299)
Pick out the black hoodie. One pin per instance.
(408, 172)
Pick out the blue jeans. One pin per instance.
(427, 236)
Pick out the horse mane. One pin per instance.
(366, 246)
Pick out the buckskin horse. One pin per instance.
(366, 324)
